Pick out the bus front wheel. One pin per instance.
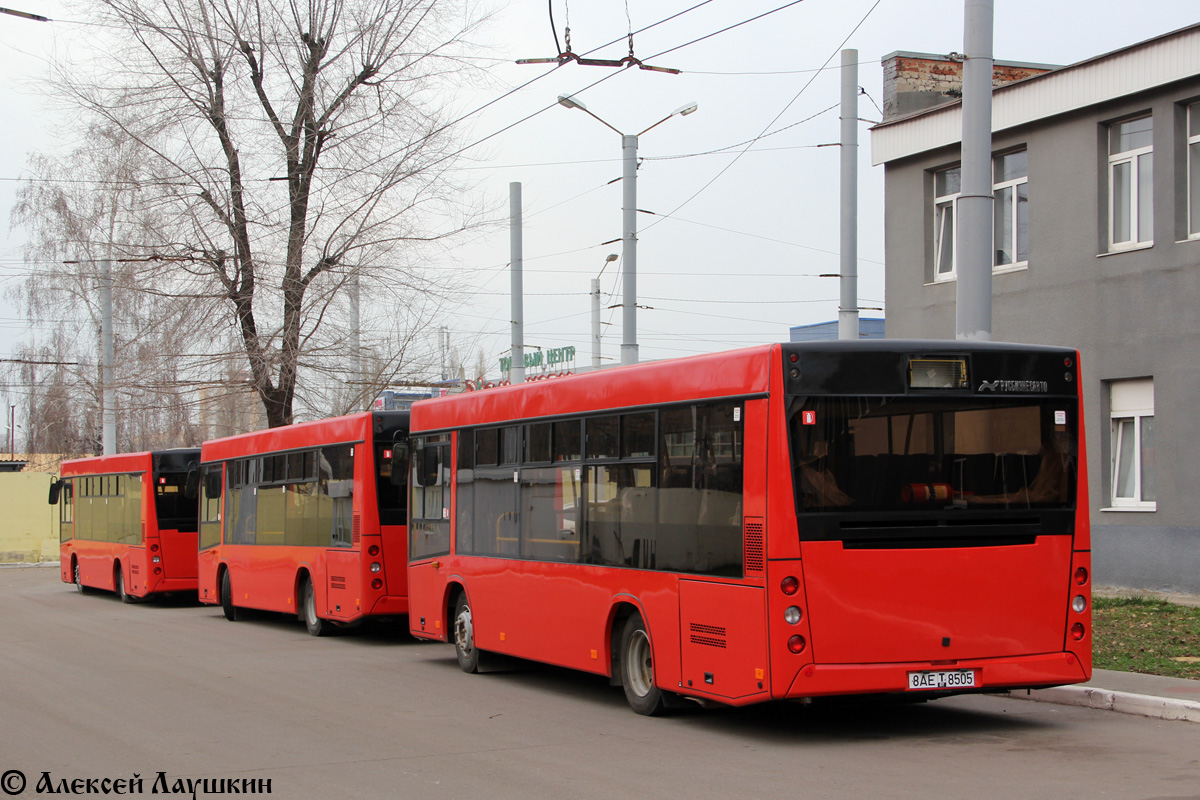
(231, 612)
(637, 669)
(464, 636)
(316, 626)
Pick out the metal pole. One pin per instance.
(629, 346)
(848, 308)
(974, 223)
(595, 323)
(517, 373)
(108, 401)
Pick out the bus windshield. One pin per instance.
(897, 454)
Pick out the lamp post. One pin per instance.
(596, 311)
(629, 145)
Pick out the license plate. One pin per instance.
(942, 679)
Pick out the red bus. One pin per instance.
(787, 521)
(308, 519)
(127, 523)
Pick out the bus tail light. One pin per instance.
(154, 547)
(158, 570)
(789, 585)
(377, 583)
(373, 550)
(797, 644)
(1077, 631)
(1081, 576)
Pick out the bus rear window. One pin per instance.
(905, 454)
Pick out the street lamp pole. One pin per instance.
(596, 312)
(629, 145)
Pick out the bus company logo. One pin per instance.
(1014, 386)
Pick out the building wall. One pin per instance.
(29, 532)
(1130, 314)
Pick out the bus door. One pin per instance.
(723, 638)
(391, 490)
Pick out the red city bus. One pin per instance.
(308, 519)
(127, 522)
(787, 521)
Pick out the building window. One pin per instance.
(1130, 183)
(946, 186)
(1010, 185)
(1193, 145)
(1132, 444)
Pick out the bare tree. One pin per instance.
(72, 226)
(283, 149)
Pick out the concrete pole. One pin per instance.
(358, 384)
(517, 373)
(629, 346)
(848, 307)
(595, 323)
(109, 401)
(974, 219)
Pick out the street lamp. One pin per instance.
(629, 144)
(596, 311)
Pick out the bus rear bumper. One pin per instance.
(388, 606)
(174, 585)
(999, 674)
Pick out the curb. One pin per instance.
(1123, 702)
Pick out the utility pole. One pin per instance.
(108, 411)
(848, 307)
(629, 346)
(973, 317)
(516, 373)
(356, 359)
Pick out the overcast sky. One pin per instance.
(747, 230)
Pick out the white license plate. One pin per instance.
(942, 679)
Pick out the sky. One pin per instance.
(736, 234)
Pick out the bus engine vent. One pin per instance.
(357, 528)
(754, 544)
(710, 635)
(336, 582)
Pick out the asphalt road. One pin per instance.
(91, 688)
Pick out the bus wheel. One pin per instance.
(316, 626)
(79, 587)
(637, 669)
(119, 586)
(464, 636)
(231, 612)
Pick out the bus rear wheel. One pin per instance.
(79, 587)
(316, 626)
(637, 669)
(119, 585)
(464, 636)
(231, 611)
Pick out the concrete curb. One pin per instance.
(1124, 702)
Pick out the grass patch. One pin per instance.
(1139, 634)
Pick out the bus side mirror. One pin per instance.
(55, 490)
(212, 484)
(400, 456)
(191, 487)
